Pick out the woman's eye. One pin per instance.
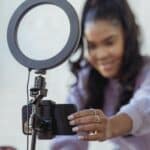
(109, 43)
(91, 46)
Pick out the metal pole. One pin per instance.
(33, 143)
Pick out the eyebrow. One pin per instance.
(110, 38)
(105, 39)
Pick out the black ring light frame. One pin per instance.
(70, 46)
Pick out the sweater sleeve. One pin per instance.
(139, 107)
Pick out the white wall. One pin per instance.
(14, 76)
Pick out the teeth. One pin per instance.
(108, 65)
(105, 65)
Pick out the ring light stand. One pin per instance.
(39, 90)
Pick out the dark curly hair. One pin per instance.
(132, 59)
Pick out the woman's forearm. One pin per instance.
(119, 125)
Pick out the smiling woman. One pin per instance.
(112, 79)
(13, 83)
(105, 46)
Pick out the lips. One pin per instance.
(106, 65)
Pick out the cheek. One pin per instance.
(118, 51)
(90, 59)
(118, 55)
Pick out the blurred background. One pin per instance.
(13, 76)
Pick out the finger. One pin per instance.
(93, 137)
(89, 128)
(86, 120)
(83, 113)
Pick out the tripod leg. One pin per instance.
(33, 144)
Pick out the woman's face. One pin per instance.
(105, 44)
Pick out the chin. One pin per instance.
(108, 74)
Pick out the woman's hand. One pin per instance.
(92, 121)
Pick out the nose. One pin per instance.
(100, 53)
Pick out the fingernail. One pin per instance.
(75, 129)
(70, 117)
(72, 122)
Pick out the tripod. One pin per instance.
(37, 92)
(47, 118)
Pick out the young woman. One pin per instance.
(112, 90)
